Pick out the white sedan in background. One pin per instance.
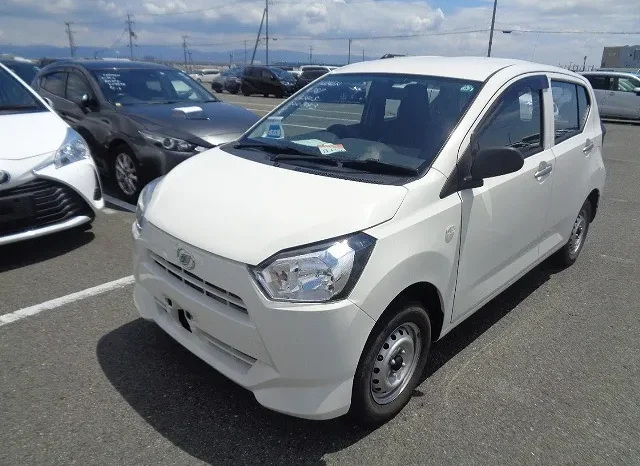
(48, 180)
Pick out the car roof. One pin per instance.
(472, 68)
(609, 73)
(110, 64)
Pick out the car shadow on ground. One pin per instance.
(218, 422)
(29, 252)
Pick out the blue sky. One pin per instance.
(298, 24)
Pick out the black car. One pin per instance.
(140, 119)
(233, 80)
(267, 80)
(24, 69)
(309, 75)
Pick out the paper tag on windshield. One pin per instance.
(274, 129)
(327, 149)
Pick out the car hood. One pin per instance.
(216, 118)
(247, 211)
(26, 135)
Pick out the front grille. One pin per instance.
(50, 203)
(208, 289)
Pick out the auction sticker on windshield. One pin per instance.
(274, 129)
(326, 149)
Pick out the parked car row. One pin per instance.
(617, 93)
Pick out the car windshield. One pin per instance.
(26, 71)
(150, 86)
(282, 74)
(397, 120)
(15, 98)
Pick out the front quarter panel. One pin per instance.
(420, 244)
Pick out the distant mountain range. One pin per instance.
(169, 53)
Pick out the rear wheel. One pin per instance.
(127, 173)
(391, 364)
(570, 251)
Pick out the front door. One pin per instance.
(622, 101)
(503, 220)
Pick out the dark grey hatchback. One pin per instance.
(140, 119)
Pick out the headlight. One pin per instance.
(143, 201)
(73, 148)
(319, 273)
(168, 143)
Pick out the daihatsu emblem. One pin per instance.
(4, 177)
(186, 259)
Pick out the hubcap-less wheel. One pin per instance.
(126, 174)
(578, 232)
(395, 363)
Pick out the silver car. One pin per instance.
(617, 93)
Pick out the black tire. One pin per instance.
(365, 409)
(234, 92)
(245, 91)
(265, 94)
(130, 195)
(569, 253)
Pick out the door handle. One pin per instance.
(543, 169)
(588, 147)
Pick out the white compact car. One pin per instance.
(316, 259)
(48, 181)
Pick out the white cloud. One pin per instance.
(42, 22)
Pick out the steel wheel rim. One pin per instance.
(126, 174)
(395, 363)
(577, 233)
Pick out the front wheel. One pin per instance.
(127, 172)
(391, 364)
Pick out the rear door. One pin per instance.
(574, 140)
(622, 101)
(601, 89)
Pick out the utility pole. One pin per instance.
(266, 9)
(584, 63)
(362, 54)
(349, 59)
(493, 23)
(245, 51)
(311, 55)
(255, 47)
(132, 34)
(184, 49)
(72, 44)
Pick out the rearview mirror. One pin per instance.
(496, 161)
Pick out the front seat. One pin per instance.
(411, 125)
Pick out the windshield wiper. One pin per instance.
(274, 149)
(383, 168)
(303, 157)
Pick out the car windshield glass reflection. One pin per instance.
(149, 86)
(400, 120)
(14, 98)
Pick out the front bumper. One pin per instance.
(60, 198)
(297, 359)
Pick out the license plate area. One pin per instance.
(15, 208)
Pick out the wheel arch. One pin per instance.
(428, 295)
(594, 199)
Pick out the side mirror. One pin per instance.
(48, 101)
(496, 161)
(87, 102)
(636, 90)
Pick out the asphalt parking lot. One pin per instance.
(547, 373)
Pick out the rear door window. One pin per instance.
(571, 107)
(600, 82)
(54, 83)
